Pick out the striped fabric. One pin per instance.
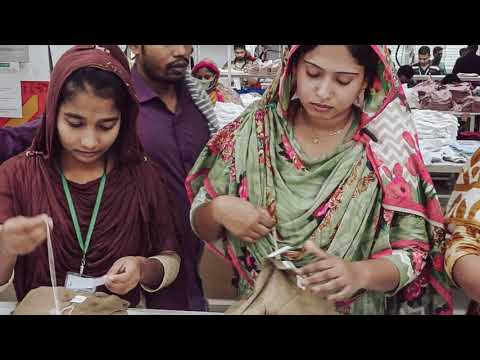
(202, 101)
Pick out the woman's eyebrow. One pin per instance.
(112, 118)
(75, 116)
(337, 72)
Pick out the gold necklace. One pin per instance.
(316, 138)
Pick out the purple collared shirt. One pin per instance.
(175, 140)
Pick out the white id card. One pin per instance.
(77, 282)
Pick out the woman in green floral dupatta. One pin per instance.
(326, 166)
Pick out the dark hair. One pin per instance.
(363, 54)
(462, 51)
(436, 58)
(437, 49)
(472, 48)
(424, 50)
(240, 47)
(102, 83)
(406, 70)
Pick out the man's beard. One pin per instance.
(155, 76)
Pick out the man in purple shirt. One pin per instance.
(175, 122)
(174, 128)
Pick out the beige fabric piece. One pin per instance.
(276, 293)
(5, 286)
(40, 301)
(171, 267)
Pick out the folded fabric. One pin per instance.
(433, 144)
(412, 96)
(40, 301)
(450, 155)
(469, 135)
(465, 106)
(426, 87)
(435, 125)
(465, 147)
(227, 112)
(476, 104)
(276, 293)
(250, 98)
(431, 157)
(460, 92)
(441, 100)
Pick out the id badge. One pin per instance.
(78, 282)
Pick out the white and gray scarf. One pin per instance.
(203, 103)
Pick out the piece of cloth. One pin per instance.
(460, 92)
(476, 104)
(436, 132)
(8, 283)
(378, 172)
(440, 100)
(137, 214)
(174, 141)
(171, 267)
(432, 124)
(40, 301)
(227, 112)
(456, 97)
(250, 98)
(463, 218)
(466, 147)
(450, 155)
(412, 96)
(276, 293)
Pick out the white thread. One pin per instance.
(51, 266)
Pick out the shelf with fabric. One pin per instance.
(440, 77)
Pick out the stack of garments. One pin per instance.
(227, 112)
(452, 97)
(440, 100)
(425, 87)
(462, 97)
(460, 92)
(436, 132)
(469, 135)
(412, 96)
(250, 98)
(422, 90)
(476, 104)
(259, 68)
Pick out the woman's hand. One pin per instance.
(21, 235)
(331, 277)
(242, 219)
(125, 274)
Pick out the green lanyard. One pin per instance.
(83, 244)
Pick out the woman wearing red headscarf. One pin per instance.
(107, 204)
(209, 75)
